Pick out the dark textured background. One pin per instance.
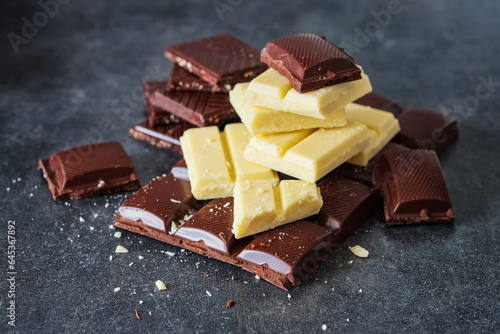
(86, 66)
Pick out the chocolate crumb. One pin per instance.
(230, 303)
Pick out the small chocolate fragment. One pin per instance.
(197, 108)
(181, 79)
(381, 102)
(363, 174)
(309, 61)
(164, 136)
(413, 187)
(426, 129)
(156, 114)
(89, 171)
(218, 60)
(230, 303)
(347, 205)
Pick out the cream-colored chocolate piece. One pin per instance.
(264, 120)
(308, 154)
(260, 206)
(272, 90)
(382, 125)
(215, 160)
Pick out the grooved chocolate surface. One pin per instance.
(413, 187)
(220, 59)
(309, 61)
(426, 129)
(284, 256)
(89, 171)
(181, 79)
(156, 114)
(381, 102)
(197, 108)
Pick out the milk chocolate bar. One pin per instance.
(197, 108)
(309, 62)
(181, 79)
(156, 114)
(426, 129)
(89, 171)
(218, 60)
(166, 210)
(379, 101)
(413, 187)
(164, 136)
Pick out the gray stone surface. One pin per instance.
(87, 65)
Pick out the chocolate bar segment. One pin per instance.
(413, 187)
(427, 129)
(181, 79)
(197, 108)
(309, 62)
(89, 171)
(156, 114)
(218, 60)
(292, 251)
(284, 256)
(379, 101)
(164, 136)
(347, 205)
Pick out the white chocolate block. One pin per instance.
(215, 160)
(268, 91)
(260, 206)
(309, 154)
(264, 120)
(382, 124)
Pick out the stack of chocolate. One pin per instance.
(196, 94)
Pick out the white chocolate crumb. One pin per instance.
(324, 327)
(350, 262)
(131, 264)
(110, 257)
(106, 205)
(160, 285)
(289, 296)
(118, 234)
(257, 277)
(8, 188)
(117, 289)
(111, 227)
(121, 250)
(170, 253)
(359, 251)
(92, 228)
(81, 219)
(141, 257)
(208, 293)
(360, 290)
(174, 200)
(141, 302)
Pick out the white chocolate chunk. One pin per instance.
(263, 120)
(359, 251)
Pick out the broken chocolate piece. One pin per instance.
(157, 115)
(181, 79)
(413, 187)
(309, 61)
(219, 60)
(89, 171)
(426, 129)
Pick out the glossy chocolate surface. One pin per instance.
(309, 61)
(413, 187)
(218, 60)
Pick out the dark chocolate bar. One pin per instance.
(309, 61)
(181, 79)
(426, 129)
(379, 101)
(218, 60)
(164, 136)
(166, 210)
(89, 171)
(197, 108)
(413, 187)
(156, 114)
